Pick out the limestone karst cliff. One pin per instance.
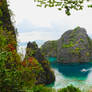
(49, 48)
(73, 46)
(46, 75)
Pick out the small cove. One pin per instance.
(78, 74)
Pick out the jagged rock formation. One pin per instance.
(73, 46)
(49, 48)
(46, 76)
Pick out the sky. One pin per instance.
(35, 23)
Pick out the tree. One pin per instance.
(64, 4)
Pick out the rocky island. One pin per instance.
(46, 75)
(73, 46)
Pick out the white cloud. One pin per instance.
(36, 35)
(26, 9)
(47, 18)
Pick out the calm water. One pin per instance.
(79, 75)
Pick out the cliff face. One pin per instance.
(46, 76)
(6, 26)
(49, 48)
(74, 46)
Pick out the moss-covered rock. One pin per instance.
(49, 48)
(46, 75)
(6, 25)
(74, 46)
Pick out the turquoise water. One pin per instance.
(79, 75)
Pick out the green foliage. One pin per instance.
(1, 22)
(5, 18)
(10, 78)
(77, 50)
(70, 89)
(6, 37)
(49, 47)
(71, 44)
(90, 6)
(41, 88)
(1, 14)
(81, 40)
(77, 28)
(72, 39)
(88, 54)
(63, 4)
(3, 40)
(13, 76)
(90, 43)
(30, 52)
(73, 34)
(51, 44)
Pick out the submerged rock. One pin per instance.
(46, 76)
(74, 46)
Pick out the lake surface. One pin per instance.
(79, 75)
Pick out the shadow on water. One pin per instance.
(79, 71)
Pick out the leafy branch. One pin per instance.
(64, 4)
